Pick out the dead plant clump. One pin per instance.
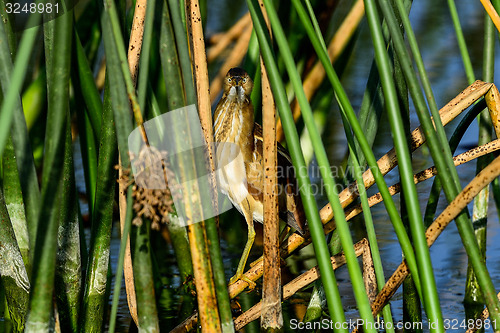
(151, 194)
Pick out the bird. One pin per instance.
(240, 173)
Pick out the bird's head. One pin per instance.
(238, 83)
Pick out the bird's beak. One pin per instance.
(237, 80)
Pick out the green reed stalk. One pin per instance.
(372, 239)
(34, 99)
(347, 109)
(6, 18)
(119, 265)
(495, 185)
(456, 137)
(170, 62)
(372, 104)
(356, 174)
(44, 263)
(416, 93)
(388, 316)
(252, 65)
(95, 302)
(413, 84)
(145, 51)
(188, 166)
(19, 133)
(412, 307)
(182, 12)
(223, 300)
(142, 260)
(15, 280)
(441, 153)
(464, 51)
(211, 231)
(11, 96)
(370, 112)
(115, 103)
(176, 99)
(428, 290)
(178, 25)
(117, 100)
(88, 149)
(89, 112)
(143, 279)
(14, 202)
(153, 105)
(68, 278)
(473, 299)
(115, 29)
(322, 253)
(83, 76)
(252, 58)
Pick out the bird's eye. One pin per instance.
(229, 79)
(244, 80)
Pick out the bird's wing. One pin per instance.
(257, 132)
(294, 214)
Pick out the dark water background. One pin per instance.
(437, 42)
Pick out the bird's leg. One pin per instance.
(283, 234)
(244, 257)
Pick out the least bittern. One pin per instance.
(240, 165)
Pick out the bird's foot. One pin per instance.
(241, 276)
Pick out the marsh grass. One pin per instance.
(86, 82)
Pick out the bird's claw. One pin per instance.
(243, 277)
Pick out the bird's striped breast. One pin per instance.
(228, 121)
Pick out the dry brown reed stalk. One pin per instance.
(223, 40)
(463, 100)
(492, 98)
(234, 59)
(200, 69)
(335, 48)
(202, 267)
(272, 316)
(128, 271)
(300, 282)
(492, 13)
(369, 278)
(483, 179)
(133, 56)
(136, 35)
